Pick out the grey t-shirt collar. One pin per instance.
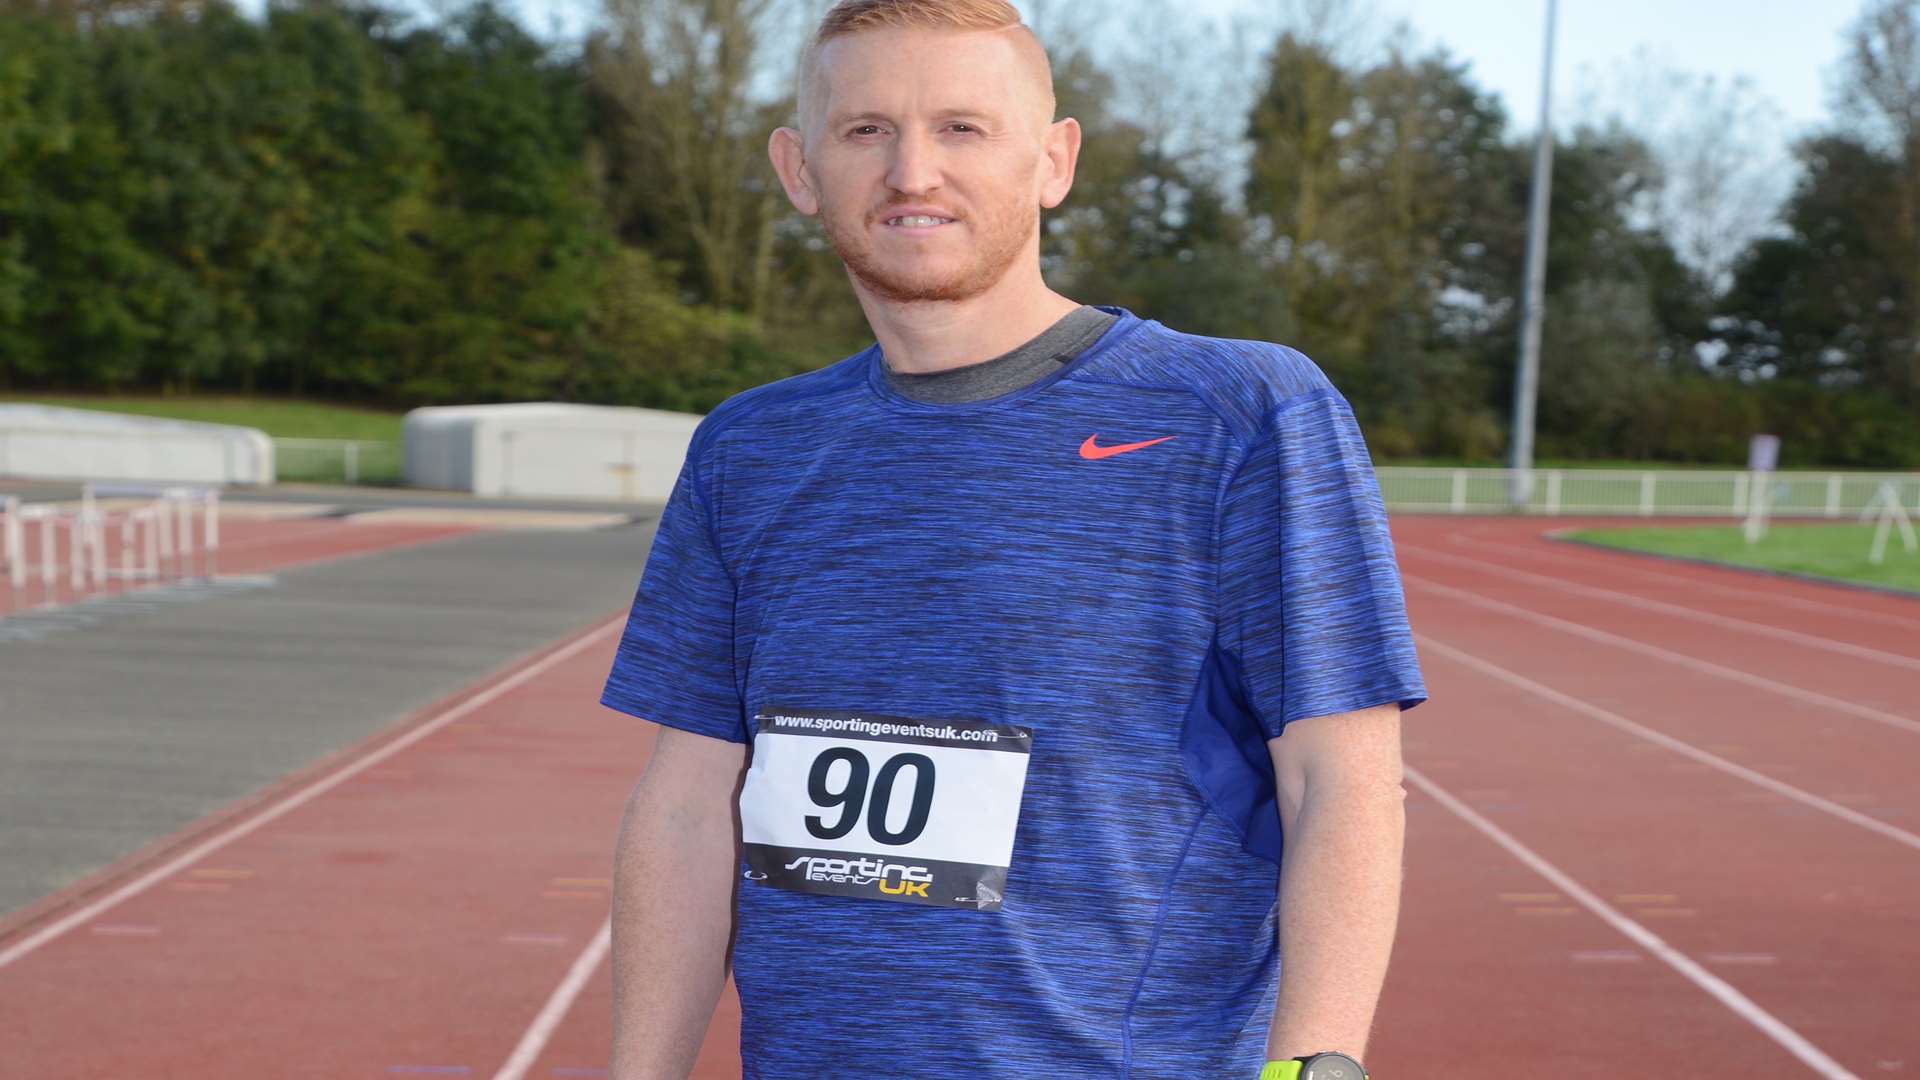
(1058, 344)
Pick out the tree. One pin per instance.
(1826, 302)
(683, 126)
(1835, 299)
(1711, 194)
(1880, 97)
(1385, 194)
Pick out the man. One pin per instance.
(1039, 624)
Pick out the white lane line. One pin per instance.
(310, 792)
(1778, 633)
(555, 1010)
(1811, 697)
(1805, 798)
(1742, 1006)
(1629, 562)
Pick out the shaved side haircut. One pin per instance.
(858, 16)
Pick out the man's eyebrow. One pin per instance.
(844, 118)
(967, 114)
(837, 119)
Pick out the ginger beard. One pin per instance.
(905, 275)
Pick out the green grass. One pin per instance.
(282, 419)
(1836, 552)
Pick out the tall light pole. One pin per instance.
(1526, 376)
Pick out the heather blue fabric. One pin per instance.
(1154, 616)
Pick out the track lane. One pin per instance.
(1852, 680)
(417, 911)
(1818, 920)
(1852, 760)
(1725, 878)
(1861, 616)
(1575, 578)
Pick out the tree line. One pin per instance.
(338, 200)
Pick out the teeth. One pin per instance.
(919, 221)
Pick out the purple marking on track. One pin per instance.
(565, 1070)
(431, 1070)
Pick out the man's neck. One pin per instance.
(939, 335)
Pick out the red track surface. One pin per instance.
(1710, 863)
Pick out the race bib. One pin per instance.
(859, 804)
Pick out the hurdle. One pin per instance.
(163, 530)
(157, 543)
(13, 549)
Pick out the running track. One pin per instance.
(1659, 817)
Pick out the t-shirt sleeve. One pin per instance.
(675, 664)
(1311, 604)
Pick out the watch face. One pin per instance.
(1331, 1067)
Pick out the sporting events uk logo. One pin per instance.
(893, 879)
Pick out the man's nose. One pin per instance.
(916, 164)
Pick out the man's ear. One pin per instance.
(1062, 146)
(789, 160)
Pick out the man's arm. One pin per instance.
(1343, 811)
(674, 872)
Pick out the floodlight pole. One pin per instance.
(1526, 376)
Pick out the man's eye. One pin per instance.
(864, 129)
(962, 127)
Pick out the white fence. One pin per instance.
(1641, 492)
(338, 461)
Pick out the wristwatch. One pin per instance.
(1322, 1066)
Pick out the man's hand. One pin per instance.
(1343, 815)
(674, 876)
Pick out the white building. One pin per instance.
(544, 449)
(43, 442)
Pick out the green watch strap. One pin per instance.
(1281, 1070)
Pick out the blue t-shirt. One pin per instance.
(1134, 570)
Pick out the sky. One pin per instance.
(1786, 47)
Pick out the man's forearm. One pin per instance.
(672, 920)
(1339, 908)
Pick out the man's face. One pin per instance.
(928, 159)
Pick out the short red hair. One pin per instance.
(859, 16)
(853, 16)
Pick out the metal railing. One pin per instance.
(1640, 492)
(337, 461)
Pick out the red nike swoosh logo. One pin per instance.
(1092, 452)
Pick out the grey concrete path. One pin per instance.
(118, 734)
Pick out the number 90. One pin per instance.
(850, 797)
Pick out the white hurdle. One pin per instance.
(165, 529)
(157, 543)
(13, 549)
